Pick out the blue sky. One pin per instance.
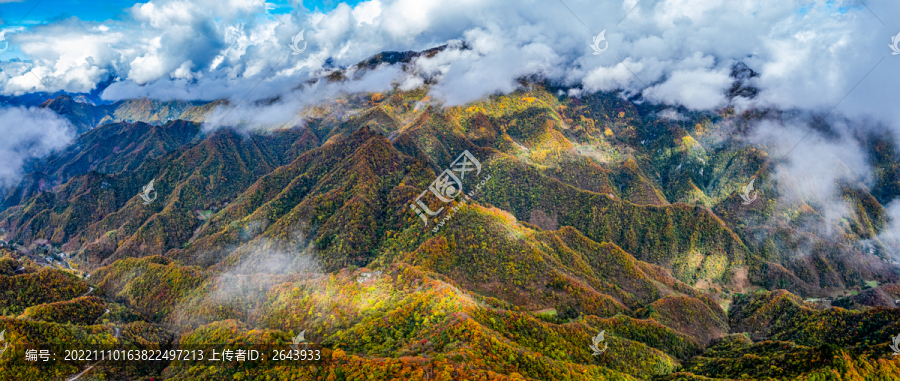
(100, 10)
(26, 13)
(49, 10)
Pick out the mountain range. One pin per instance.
(589, 214)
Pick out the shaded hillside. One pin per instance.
(779, 315)
(84, 116)
(198, 177)
(108, 149)
(811, 343)
(336, 194)
(873, 297)
(736, 359)
(700, 318)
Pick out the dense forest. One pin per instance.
(586, 215)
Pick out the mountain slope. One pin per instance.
(586, 215)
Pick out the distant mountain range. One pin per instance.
(599, 214)
(85, 116)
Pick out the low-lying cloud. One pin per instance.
(890, 236)
(815, 170)
(287, 110)
(29, 133)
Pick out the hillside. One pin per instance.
(584, 215)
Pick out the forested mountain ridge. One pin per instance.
(595, 214)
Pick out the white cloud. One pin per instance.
(890, 236)
(810, 54)
(367, 11)
(671, 114)
(695, 89)
(286, 111)
(618, 76)
(184, 71)
(29, 133)
(811, 166)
